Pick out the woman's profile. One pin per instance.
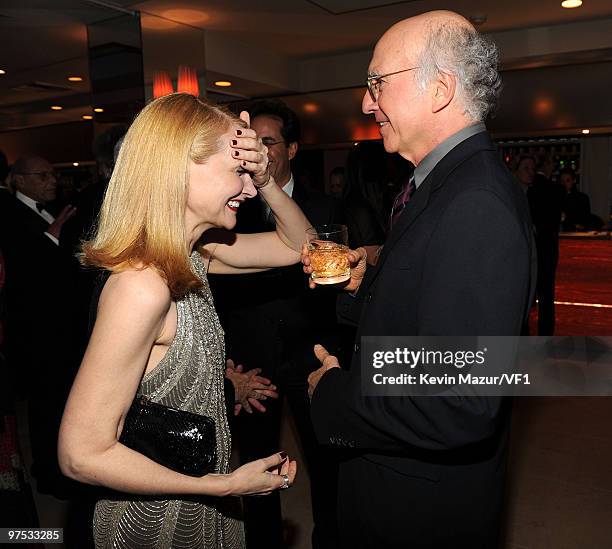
(183, 170)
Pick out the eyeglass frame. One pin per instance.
(271, 143)
(373, 81)
(43, 175)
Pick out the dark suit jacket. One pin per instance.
(457, 262)
(270, 315)
(42, 328)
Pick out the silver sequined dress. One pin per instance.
(189, 377)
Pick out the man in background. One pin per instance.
(271, 322)
(43, 335)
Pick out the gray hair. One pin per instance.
(472, 58)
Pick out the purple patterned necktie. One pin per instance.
(402, 199)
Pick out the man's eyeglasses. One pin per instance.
(42, 175)
(375, 80)
(268, 141)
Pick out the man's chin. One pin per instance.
(390, 145)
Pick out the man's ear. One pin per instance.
(293, 148)
(443, 91)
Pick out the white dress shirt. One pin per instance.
(287, 188)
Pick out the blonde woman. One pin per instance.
(184, 169)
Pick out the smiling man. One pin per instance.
(272, 321)
(428, 472)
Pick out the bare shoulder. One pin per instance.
(144, 291)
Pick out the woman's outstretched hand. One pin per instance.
(263, 476)
(357, 261)
(251, 152)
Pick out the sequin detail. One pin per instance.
(189, 377)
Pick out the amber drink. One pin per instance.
(328, 252)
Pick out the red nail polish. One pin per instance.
(235, 153)
(283, 455)
(238, 132)
(234, 142)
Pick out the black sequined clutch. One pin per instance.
(182, 441)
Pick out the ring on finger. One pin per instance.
(285, 484)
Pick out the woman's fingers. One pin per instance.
(250, 157)
(245, 117)
(274, 460)
(288, 469)
(246, 143)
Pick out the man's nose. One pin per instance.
(368, 105)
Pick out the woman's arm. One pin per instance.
(131, 315)
(239, 253)
(231, 253)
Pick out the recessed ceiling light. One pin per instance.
(56, 108)
(75, 78)
(586, 131)
(2, 71)
(98, 109)
(87, 117)
(191, 17)
(571, 3)
(223, 83)
(75, 164)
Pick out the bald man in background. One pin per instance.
(44, 337)
(428, 472)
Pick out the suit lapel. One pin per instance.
(420, 199)
(411, 212)
(30, 218)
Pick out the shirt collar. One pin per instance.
(26, 200)
(431, 160)
(288, 188)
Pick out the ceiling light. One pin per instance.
(586, 131)
(223, 83)
(56, 108)
(98, 109)
(2, 71)
(311, 107)
(192, 17)
(75, 79)
(75, 164)
(571, 3)
(87, 117)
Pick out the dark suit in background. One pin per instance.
(546, 204)
(272, 321)
(44, 340)
(428, 472)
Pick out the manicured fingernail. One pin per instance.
(238, 132)
(283, 455)
(234, 142)
(236, 153)
(244, 162)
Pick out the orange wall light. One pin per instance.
(188, 80)
(162, 85)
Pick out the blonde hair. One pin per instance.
(141, 223)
